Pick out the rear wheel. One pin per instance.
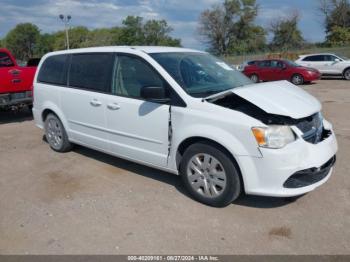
(210, 175)
(297, 79)
(56, 135)
(254, 78)
(347, 74)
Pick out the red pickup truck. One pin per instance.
(16, 82)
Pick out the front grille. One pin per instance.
(312, 128)
(309, 176)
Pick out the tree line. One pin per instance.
(228, 28)
(26, 41)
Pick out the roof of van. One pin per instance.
(146, 49)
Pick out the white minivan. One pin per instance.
(188, 113)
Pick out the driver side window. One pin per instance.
(5, 60)
(131, 74)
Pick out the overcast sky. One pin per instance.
(182, 15)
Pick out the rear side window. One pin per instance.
(314, 58)
(5, 60)
(92, 71)
(266, 63)
(54, 70)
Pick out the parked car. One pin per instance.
(275, 69)
(16, 82)
(327, 64)
(188, 113)
(244, 64)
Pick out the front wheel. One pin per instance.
(254, 78)
(56, 135)
(297, 79)
(347, 74)
(210, 175)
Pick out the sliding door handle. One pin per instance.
(95, 102)
(113, 106)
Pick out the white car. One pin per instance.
(327, 64)
(188, 113)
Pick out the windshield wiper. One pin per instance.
(218, 95)
(205, 93)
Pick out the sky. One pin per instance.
(182, 15)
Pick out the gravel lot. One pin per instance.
(86, 202)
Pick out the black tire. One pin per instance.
(255, 78)
(347, 74)
(63, 145)
(232, 188)
(297, 79)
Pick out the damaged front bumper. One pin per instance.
(271, 175)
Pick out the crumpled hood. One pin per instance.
(280, 98)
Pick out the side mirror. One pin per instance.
(337, 60)
(284, 67)
(154, 94)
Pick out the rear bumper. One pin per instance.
(11, 99)
(37, 118)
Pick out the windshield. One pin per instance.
(291, 63)
(200, 74)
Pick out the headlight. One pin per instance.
(273, 136)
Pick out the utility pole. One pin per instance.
(65, 20)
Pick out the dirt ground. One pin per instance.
(86, 202)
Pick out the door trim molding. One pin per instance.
(116, 133)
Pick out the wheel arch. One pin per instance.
(52, 108)
(198, 139)
(297, 74)
(255, 74)
(347, 68)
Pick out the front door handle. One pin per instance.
(95, 102)
(14, 72)
(16, 81)
(113, 106)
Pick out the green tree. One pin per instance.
(336, 12)
(45, 44)
(229, 28)
(156, 32)
(132, 31)
(337, 21)
(153, 32)
(78, 36)
(338, 36)
(25, 40)
(103, 37)
(286, 34)
(22, 40)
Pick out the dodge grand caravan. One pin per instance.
(188, 113)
